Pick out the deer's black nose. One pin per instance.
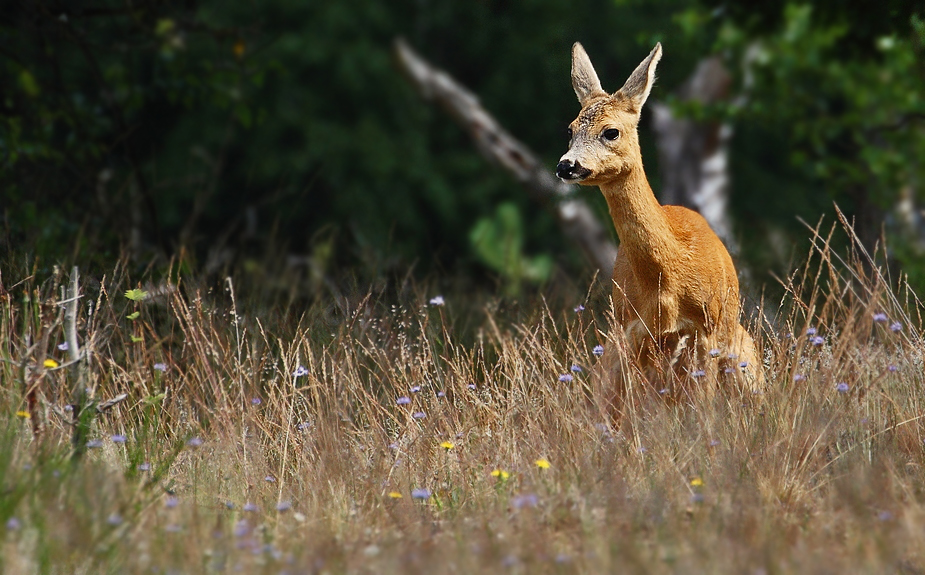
(565, 170)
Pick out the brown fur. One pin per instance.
(676, 291)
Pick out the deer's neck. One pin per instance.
(640, 221)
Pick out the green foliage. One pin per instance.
(498, 242)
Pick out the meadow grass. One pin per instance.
(390, 433)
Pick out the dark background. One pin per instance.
(280, 134)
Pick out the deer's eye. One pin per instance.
(568, 132)
(611, 134)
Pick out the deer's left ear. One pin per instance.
(639, 84)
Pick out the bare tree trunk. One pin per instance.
(693, 155)
(495, 143)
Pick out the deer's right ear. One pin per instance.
(584, 78)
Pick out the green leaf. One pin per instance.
(137, 339)
(133, 316)
(136, 294)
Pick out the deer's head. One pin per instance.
(603, 140)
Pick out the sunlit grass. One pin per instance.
(386, 438)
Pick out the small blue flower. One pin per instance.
(144, 466)
(842, 387)
(13, 524)
(715, 352)
(579, 308)
(698, 373)
(256, 401)
(880, 317)
(249, 507)
(118, 438)
(810, 331)
(896, 327)
(194, 442)
(284, 506)
(229, 505)
(300, 371)
(441, 394)
(892, 368)
(437, 300)
(241, 528)
(160, 366)
(565, 378)
(63, 346)
(576, 368)
(403, 400)
(525, 500)
(743, 364)
(419, 415)
(663, 391)
(598, 350)
(420, 493)
(817, 340)
(416, 389)
(269, 479)
(303, 426)
(471, 386)
(714, 443)
(171, 502)
(114, 519)
(94, 444)
(799, 377)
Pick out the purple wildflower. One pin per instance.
(194, 442)
(118, 438)
(714, 442)
(566, 377)
(13, 524)
(715, 352)
(242, 528)
(94, 444)
(249, 507)
(63, 346)
(698, 373)
(471, 386)
(810, 331)
(160, 366)
(799, 377)
(896, 327)
(303, 426)
(300, 371)
(663, 391)
(416, 389)
(441, 394)
(403, 400)
(171, 502)
(598, 350)
(437, 300)
(525, 500)
(817, 340)
(114, 519)
(892, 368)
(256, 401)
(419, 415)
(576, 368)
(420, 493)
(144, 466)
(284, 506)
(579, 308)
(880, 317)
(743, 365)
(269, 479)
(842, 387)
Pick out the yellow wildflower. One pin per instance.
(448, 445)
(394, 495)
(23, 414)
(50, 363)
(697, 482)
(542, 463)
(500, 474)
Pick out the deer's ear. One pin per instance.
(584, 78)
(639, 84)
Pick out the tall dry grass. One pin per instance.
(376, 435)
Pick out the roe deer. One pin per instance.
(676, 293)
